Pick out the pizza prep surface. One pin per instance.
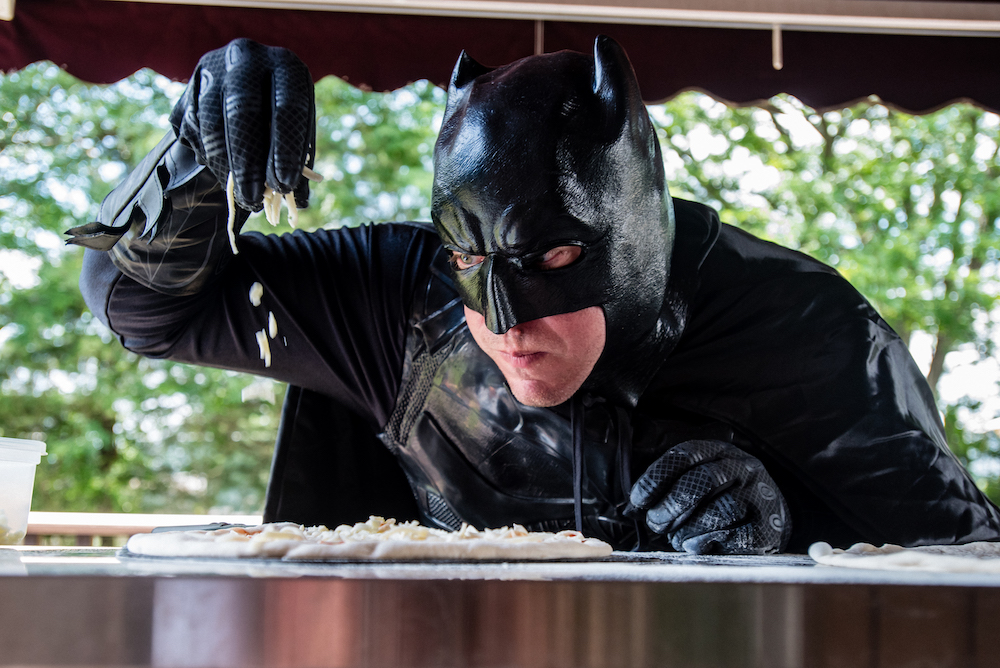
(377, 539)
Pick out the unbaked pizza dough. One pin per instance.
(979, 557)
(377, 538)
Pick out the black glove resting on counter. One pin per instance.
(710, 497)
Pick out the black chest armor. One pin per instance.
(473, 454)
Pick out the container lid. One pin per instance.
(21, 450)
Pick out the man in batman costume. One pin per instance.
(566, 346)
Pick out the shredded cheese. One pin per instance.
(311, 175)
(293, 210)
(265, 347)
(231, 201)
(380, 529)
(256, 293)
(272, 205)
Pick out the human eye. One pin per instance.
(461, 260)
(558, 257)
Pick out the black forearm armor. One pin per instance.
(169, 205)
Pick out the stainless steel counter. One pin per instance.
(92, 607)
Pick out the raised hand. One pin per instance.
(249, 110)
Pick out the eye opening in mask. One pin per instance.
(461, 260)
(556, 257)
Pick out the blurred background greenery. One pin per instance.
(906, 207)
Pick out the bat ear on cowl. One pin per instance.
(615, 85)
(466, 70)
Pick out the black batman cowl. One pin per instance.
(558, 150)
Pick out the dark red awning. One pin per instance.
(101, 41)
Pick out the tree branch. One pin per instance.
(942, 346)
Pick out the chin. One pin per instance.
(541, 397)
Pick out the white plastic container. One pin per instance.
(18, 459)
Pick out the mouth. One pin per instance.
(521, 359)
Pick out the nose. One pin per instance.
(498, 311)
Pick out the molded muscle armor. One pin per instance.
(473, 454)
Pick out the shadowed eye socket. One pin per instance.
(460, 260)
(558, 257)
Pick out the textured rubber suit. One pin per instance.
(747, 399)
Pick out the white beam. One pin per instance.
(886, 17)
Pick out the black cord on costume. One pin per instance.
(576, 422)
(624, 449)
(624, 432)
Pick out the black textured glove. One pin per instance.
(250, 109)
(710, 497)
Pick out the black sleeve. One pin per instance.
(340, 300)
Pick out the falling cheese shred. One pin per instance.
(231, 201)
(265, 347)
(256, 293)
(272, 207)
(272, 204)
(293, 210)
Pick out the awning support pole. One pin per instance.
(777, 54)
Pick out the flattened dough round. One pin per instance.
(979, 557)
(377, 539)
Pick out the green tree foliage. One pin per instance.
(901, 205)
(906, 207)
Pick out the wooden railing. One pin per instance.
(111, 529)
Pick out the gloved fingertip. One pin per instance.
(667, 517)
(656, 524)
(648, 490)
(708, 543)
(247, 204)
(250, 194)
